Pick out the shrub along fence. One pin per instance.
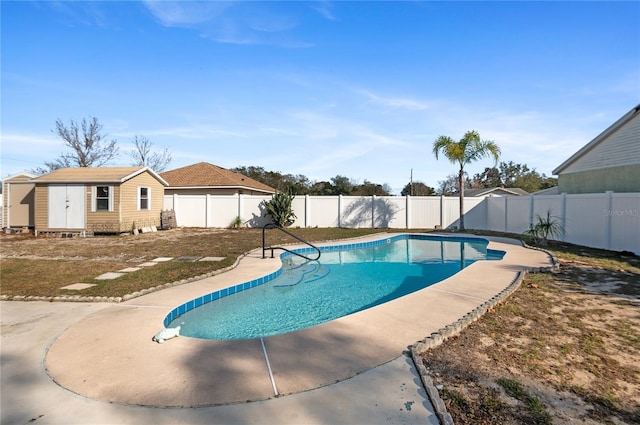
(602, 220)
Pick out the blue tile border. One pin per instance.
(205, 299)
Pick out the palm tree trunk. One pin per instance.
(461, 186)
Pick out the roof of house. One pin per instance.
(96, 175)
(205, 175)
(549, 191)
(599, 139)
(501, 190)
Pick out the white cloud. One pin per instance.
(186, 132)
(324, 9)
(186, 13)
(395, 102)
(230, 22)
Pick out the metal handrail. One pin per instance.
(274, 226)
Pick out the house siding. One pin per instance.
(131, 217)
(104, 221)
(616, 179)
(620, 149)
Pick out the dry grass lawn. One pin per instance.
(564, 348)
(40, 266)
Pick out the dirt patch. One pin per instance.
(564, 348)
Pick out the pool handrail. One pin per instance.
(275, 226)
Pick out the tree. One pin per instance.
(298, 185)
(490, 177)
(417, 189)
(88, 146)
(341, 185)
(468, 149)
(322, 188)
(510, 174)
(368, 189)
(450, 185)
(141, 154)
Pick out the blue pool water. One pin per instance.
(346, 279)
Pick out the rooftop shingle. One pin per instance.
(204, 174)
(94, 175)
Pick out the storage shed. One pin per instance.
(98, 200)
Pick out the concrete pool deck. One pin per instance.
(108, 355)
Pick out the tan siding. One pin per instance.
(104, 221)
(42, 207)
(5, 204)
(131, 217)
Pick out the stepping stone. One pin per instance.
(212, 259)
(162, 259)
(79, 286)
(148, 264)
(130, 269)
(188, 259)
(109, 275)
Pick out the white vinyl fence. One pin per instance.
(600, 220)
(603, 220)
(396, 212)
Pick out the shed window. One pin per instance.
(102, 198)
(144, 198)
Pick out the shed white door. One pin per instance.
(66, 207)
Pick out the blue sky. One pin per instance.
(353, 88)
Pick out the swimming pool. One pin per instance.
(346, 279)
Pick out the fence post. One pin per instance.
(306, 211)
(175, 207)
(607, 217)
(531, 208)
(506, 214)
(373, 211)
(407, 206)
(207, 200)
(339, 211)
(441, 212)
(563, 216)
(239, 204)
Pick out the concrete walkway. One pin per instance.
(350, 370)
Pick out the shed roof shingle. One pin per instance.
(204, 174)
(95, 175)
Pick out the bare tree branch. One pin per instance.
(142, 154)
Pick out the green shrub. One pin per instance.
(280, 209)
(546, 228)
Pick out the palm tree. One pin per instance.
(469, 149)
